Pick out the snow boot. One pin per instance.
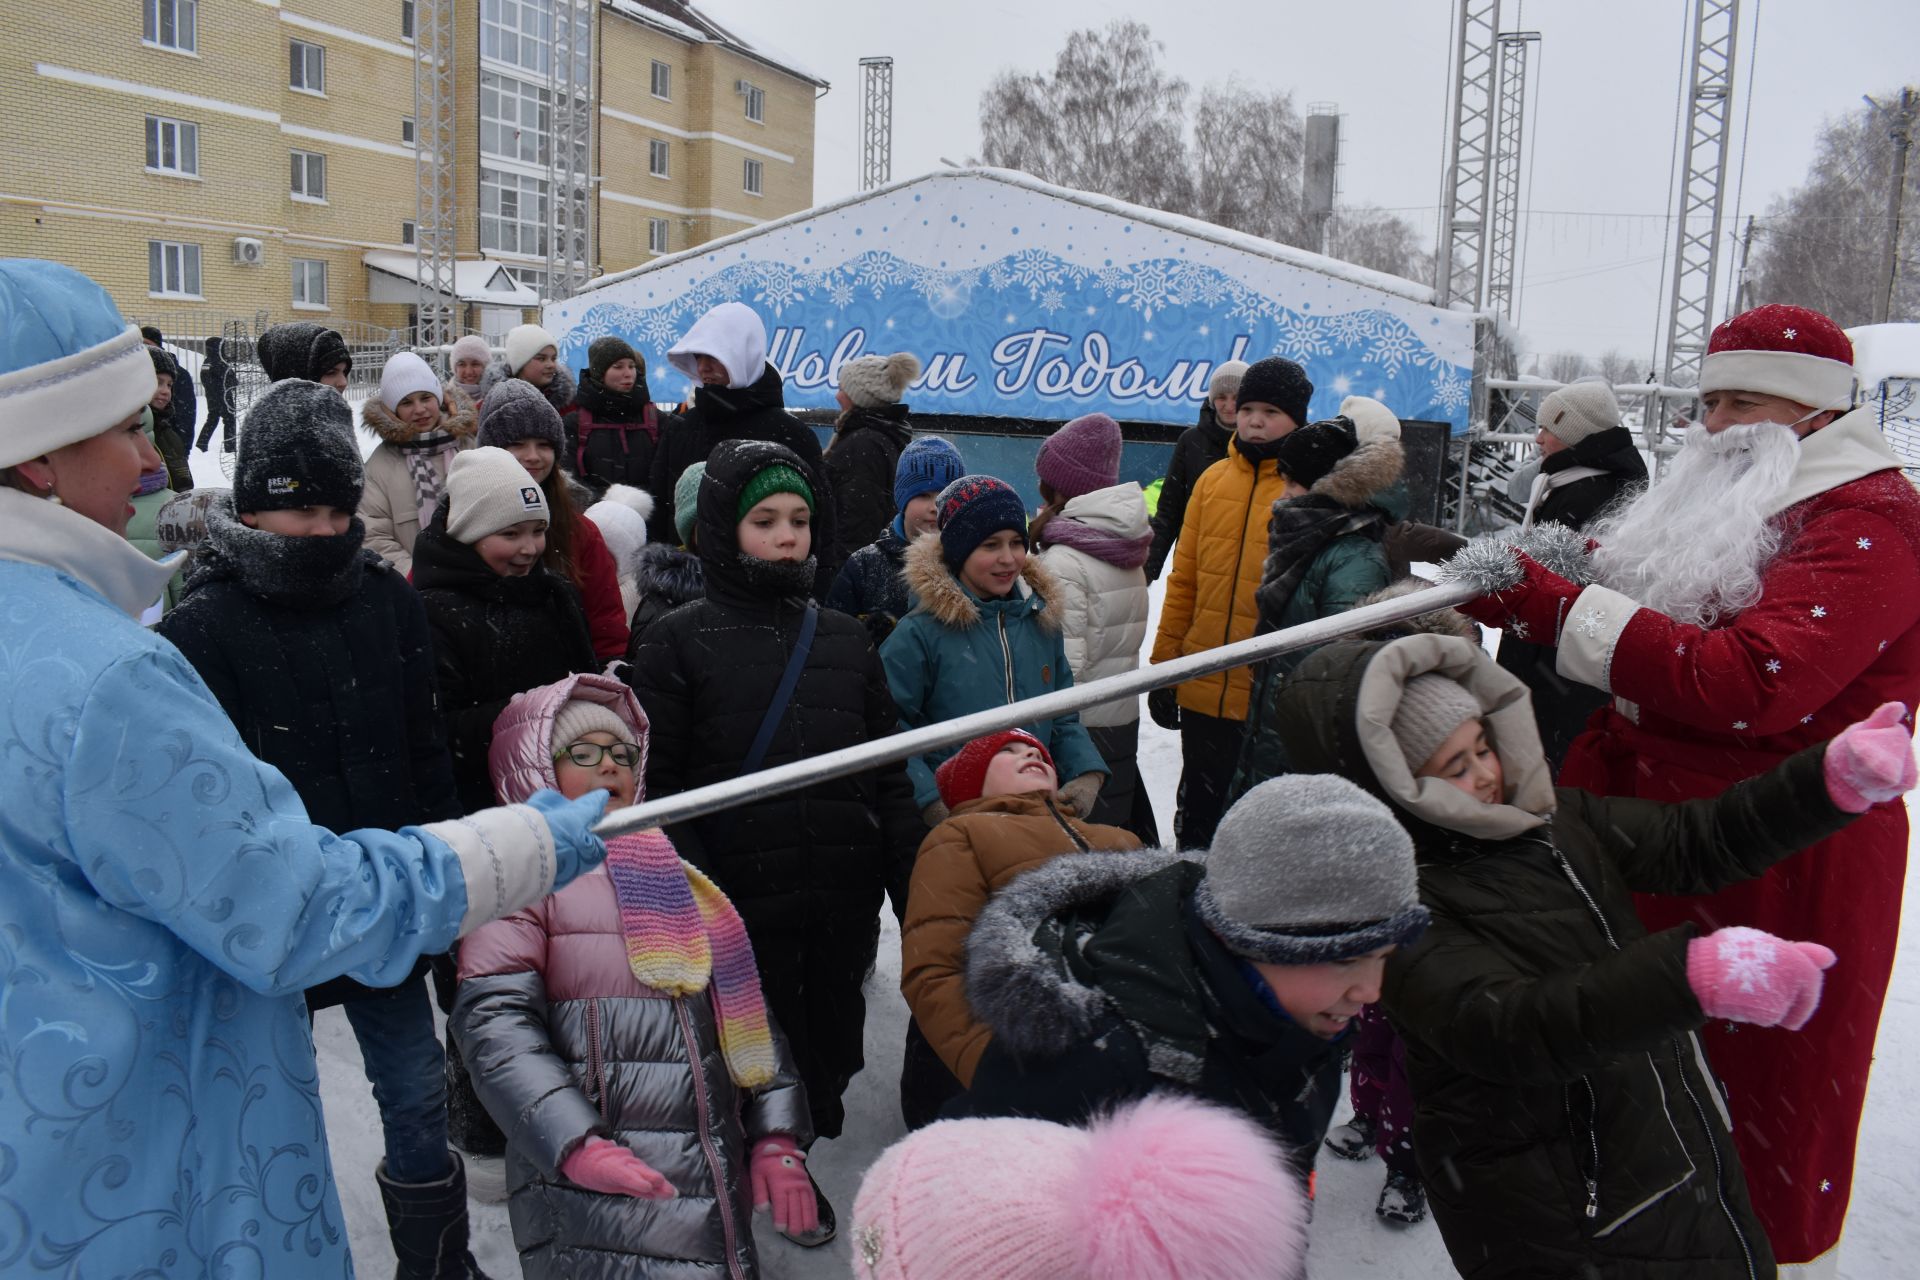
(1402, 1199)
(1352, 1140)
(427, 1222)
(827, 1228)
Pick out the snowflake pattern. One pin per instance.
(1518, 629)
(1052, 300)
(841, 293)
(1351, 327)
(1806, 719)
(1826, 1184)
(1300, 339)
(1773, 666)
(1392, 347)
(1865, 544)
(1790, 334)
(1592, 624)
(1819, 611)
(1680, 650)
(1034, 268)
(1748, 961)
(1740, 724)
(1151, 289)
(1450, 391)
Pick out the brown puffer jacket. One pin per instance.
(962, 863)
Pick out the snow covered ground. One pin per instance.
(1883, 1236)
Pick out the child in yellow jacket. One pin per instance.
(1210, 596)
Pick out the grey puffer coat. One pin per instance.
(565, 1044)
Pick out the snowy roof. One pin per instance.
(684, 21)
(1177, 223)
(485, 282)
(1885, 351)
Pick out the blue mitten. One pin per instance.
(575, 847)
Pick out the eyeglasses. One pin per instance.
(588, 755)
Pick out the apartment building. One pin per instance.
(255, 159)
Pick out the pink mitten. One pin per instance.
(1872, 761)
(611, 1169)
(778, 1171)
(1750, 976)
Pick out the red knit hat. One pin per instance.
(964, 774)
(1780, 350)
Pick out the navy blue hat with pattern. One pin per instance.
(973, 509)
(927, 465)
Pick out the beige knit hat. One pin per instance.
(579, 718)
(1431, 708)
(487, 491)
(1578, 410)
(1226, 379)
(873, 382)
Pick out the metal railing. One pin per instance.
(718, 796)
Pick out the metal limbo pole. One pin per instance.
(717, 796)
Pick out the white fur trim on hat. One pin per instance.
(1814, 381)
(523, 343)
(404, 374)
(487, 491)
(1371, 420)
(48, 406)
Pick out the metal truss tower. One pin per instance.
(876, 122)
(1458, 267)
(1696, 250)
(437, 308)
(570, 150)
(1509, 130)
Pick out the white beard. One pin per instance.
(1695, 544)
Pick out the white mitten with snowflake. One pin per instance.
(1746, 975)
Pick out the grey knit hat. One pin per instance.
(873, 382)
(516, 410)
(1306, 869)
(1579, 409)
(1226, 379)
(1431, 708)
(297, 449)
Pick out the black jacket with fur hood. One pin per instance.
(1565, 1121)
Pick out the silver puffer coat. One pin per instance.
(565, 1044)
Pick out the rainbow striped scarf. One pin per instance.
(681, 933)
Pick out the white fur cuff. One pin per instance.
(506, 856)
(1589, 635)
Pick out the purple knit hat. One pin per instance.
(1082, 456)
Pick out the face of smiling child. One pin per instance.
(1016, 768)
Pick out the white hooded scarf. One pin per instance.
(731, 333)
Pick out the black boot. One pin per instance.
(427, 1222)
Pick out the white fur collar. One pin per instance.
(1839, 453)
(36, 531)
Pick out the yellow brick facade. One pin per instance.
(79, 189)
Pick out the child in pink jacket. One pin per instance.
(617, 1033)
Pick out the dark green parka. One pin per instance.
(1566, 1122)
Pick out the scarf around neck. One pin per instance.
(1299, 529)
(682, 935)
(428, 457)
(1113, 548)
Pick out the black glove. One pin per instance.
(1164, 706)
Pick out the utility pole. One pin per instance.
(876, 122)
(1901, 132)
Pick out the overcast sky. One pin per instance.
(1601, 127)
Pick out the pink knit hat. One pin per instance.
(1166, 1189)
(1082, 456)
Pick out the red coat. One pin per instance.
(1835, 634)
(600, 590)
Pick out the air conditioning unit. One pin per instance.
(248, 252)
(741, 86)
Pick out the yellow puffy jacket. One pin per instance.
(1216, 569)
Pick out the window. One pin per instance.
(656, 235)
(406, 19)
(515, 119)
(306, 67)
(406, 129)
(407, 232)
(657, 158)
(171, 24)
(173, 146)
(517, 32)
(309, 282)
(513, 213)
(309, 175)
(756, 104)
(173, 269)
(750, 178)
(662, 81)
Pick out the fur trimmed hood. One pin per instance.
(1019, 987)
(1363, 475)
(560, 393)
(940, 594)
(1441, 622)
(459, 417)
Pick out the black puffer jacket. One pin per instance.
(706, 674)
(870, 585)
(1198, 448)
(1565, 1119)
(861, 460)
(320, 654)
(493, 637)
(1100, 983)
(613, 435)
(1561, 707)
(667, 577)
(756, 412)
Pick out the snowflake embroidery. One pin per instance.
(1739, 724)
(1592, 625)
(1883, 647)
(1748, 963)
(1826, 1184)
(1791, 334)
(1733, 1028)
(1773, 666)
(1865, 544)
(1680, 650)
(1806, 719)
(1518, 629)
(1819, 611)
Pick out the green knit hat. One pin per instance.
(686, 501)
(768, 481)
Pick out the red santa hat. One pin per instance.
(1785, 351)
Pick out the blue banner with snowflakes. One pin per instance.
(1029, 301)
